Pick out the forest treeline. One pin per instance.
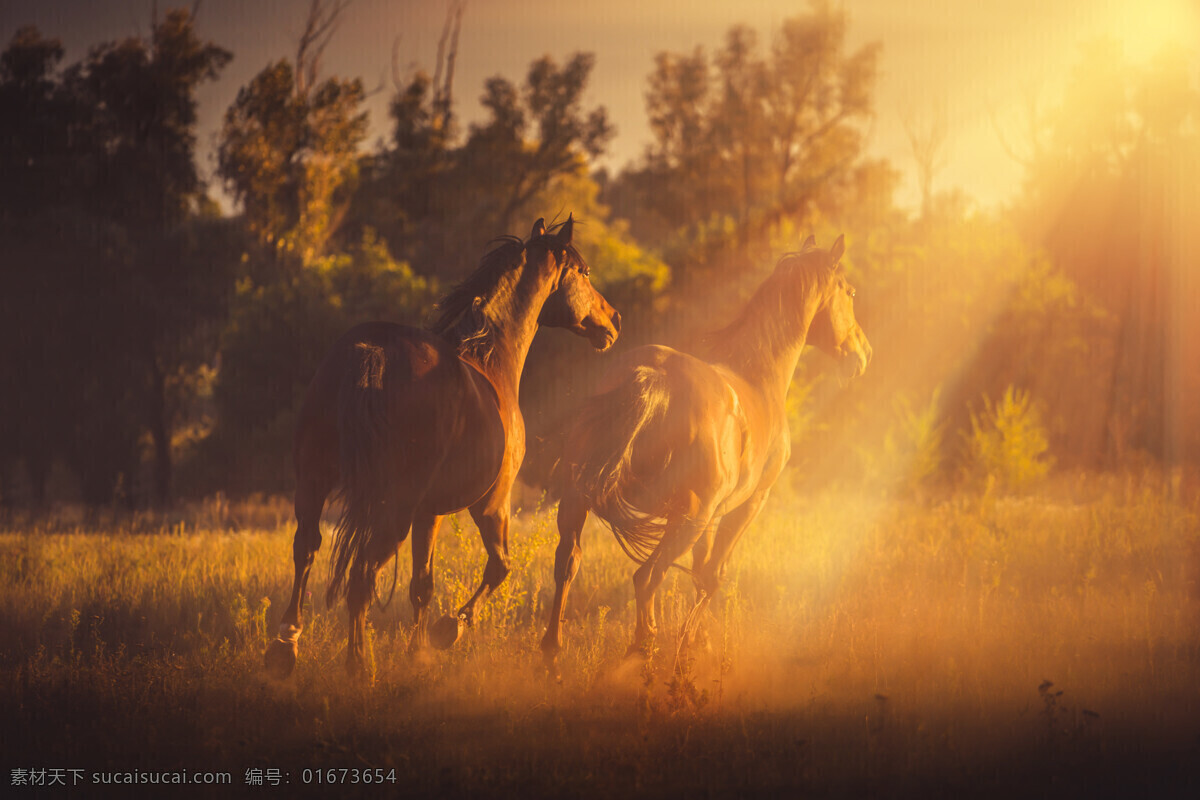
(153, 347)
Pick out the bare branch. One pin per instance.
(452, 55)
(927, 140)
(447, 55)
(397, 79)
(441, 48)
(1003, 139)
(1034, 133)
(319, 28)
(380, 87)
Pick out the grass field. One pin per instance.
(974, 646)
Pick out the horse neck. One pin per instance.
(513, 311)
(767, 348)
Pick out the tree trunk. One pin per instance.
(37, 467)
(160, 431)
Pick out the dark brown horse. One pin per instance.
(416, 424)
(676, 453)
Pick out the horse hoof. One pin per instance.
(640, 651)
(550, 663)
(280, 658)
(444, 633)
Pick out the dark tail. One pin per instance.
(363, 463)
(599, 452)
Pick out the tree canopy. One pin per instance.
(155, 345)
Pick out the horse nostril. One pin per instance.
(616, 321)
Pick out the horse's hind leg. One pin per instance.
(389, 531)
(572, 513)
(359, 589)
(682, 533)
(311, 492)
(420, 589)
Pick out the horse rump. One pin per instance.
(597, 461)
(366, 466)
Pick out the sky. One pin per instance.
(978, 61)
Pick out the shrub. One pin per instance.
(1007, 442)
(912, 448)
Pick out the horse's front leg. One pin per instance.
(280, 657)
(491, 515)
(709, 572)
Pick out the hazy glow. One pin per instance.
(978, 59)
(1145, 28)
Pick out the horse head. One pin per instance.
(574, 303)
(834, 329)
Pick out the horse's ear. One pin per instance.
(811, 241)
(566, 231)
(839, 247)
(539, 228)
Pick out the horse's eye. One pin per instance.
(850, 290)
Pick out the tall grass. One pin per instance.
(858, 645)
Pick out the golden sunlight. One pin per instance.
(263, 384)
(1145, 28)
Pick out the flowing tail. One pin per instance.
(366, 470)
(599, 453)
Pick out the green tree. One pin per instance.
(426, 187)
(142, 94)
(408, 192)
(532, 136)
(92, 289)
(37, 119)
(276, 337)
(289, 151)
(748, 135)
(290, 157)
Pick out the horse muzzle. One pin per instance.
(855, 359)
(603, 334)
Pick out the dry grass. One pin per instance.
(859, 647)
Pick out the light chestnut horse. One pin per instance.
(675, 453)
(415, 424)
